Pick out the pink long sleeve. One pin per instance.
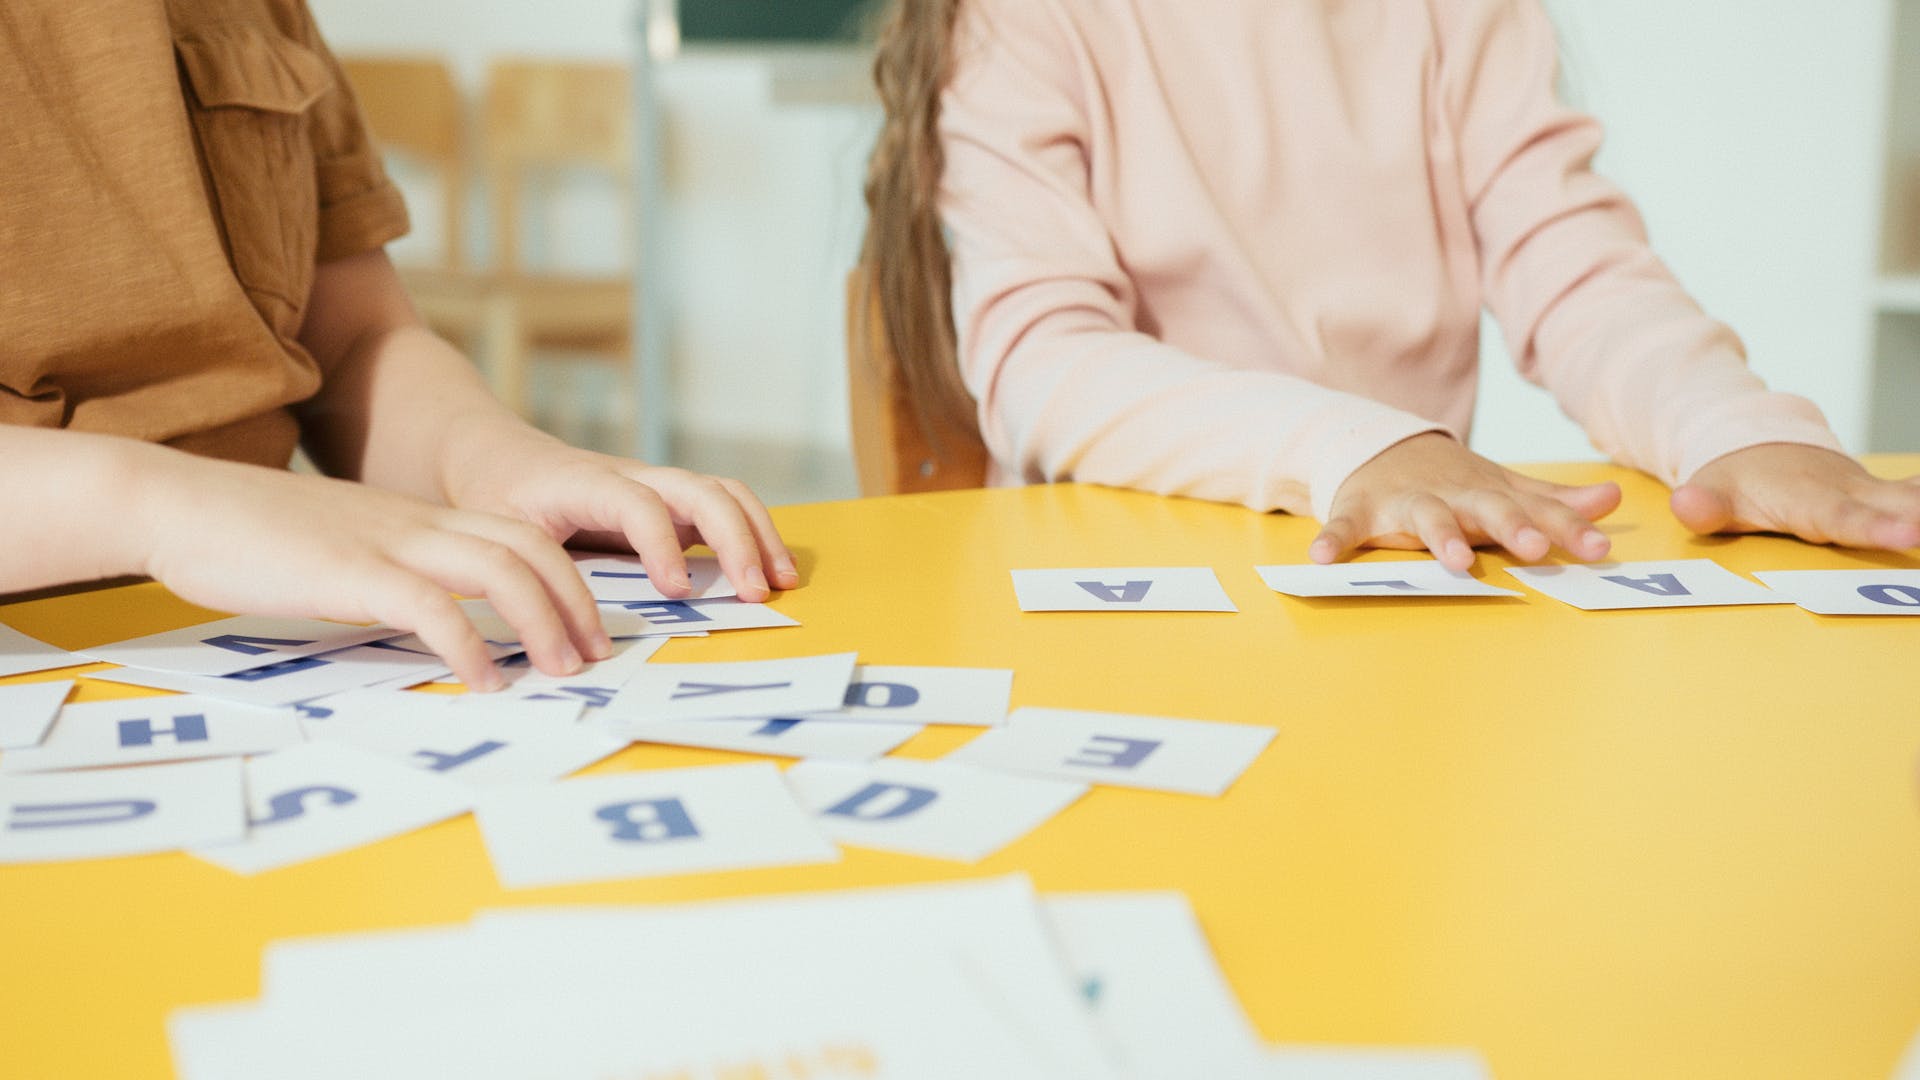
(1232, 249)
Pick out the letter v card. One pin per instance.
(1121, 588)
(1660, 584)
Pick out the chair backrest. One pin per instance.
(894, 453)
(413, 107)
(547, 116)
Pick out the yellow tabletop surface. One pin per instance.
(1632, 844)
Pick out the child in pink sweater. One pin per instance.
(1238, 249)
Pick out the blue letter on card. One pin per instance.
(291, 804)
(1128, 592)
(1119, 753)
(61, 815)
(882, 695)
(1657, 584)
(649, 821)
(1892, 595)
(439, 762)
(894, 801)
(189, 728)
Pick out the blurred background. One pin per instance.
(638, 215)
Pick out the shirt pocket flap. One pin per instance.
(252, 67)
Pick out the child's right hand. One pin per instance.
(247, 539)
(1431, 492)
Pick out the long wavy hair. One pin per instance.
(904, 256)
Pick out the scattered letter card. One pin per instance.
(642, 824)
(621, 579)
(241, 643)
(1418, 577)
(140, 731)
(744, 688)
(482, 743)
(783, 736)
(974, 697)
(927, 807)
(1669, 583)
(20, 653)
(1848, 592)
(1121, 588)
(317, 799)
(673, 618)
(84, 815)
(1199, 757)
(291, 681)
(27, 710)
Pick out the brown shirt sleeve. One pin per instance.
(360, 208)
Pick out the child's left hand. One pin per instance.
(1804, 491)
(605, 502)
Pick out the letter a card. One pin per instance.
(1848, 592)
(927, 807)
(1198, 757)
(645, 824)
(1121, 588)
(133, 811)
(1662, 584)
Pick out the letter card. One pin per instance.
(745, 688)
(1659, 584)
(140, 731)
(643, 824)
(1408, 578)
(1848, 592)
(1121, 588)
(85, 815)
(927, 807)
(1199, 757)
(240, 643)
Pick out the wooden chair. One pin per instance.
(542, 118)
(417, 114)
(894, 452)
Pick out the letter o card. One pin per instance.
(1663, 584)
(1121, 588)
(645, 824)
(1198, 757)
(1848, 592)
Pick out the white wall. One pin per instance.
(1747, 130)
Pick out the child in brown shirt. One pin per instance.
(192, 280)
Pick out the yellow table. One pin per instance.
(1628, 844)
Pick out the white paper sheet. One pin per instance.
(1410, 578)
(1373, 1063)
(1162, 753)
(142, 731)
(1660, 584)
(971, 697)
(1121, 588)
(240, 643)
(292, 681)
(1150, 978)
(479, 741)
(86, 815)
(640, 824)
(788, 736)
(1848, 592)
(742, 689)
(318, 799)
(27, 711)
(927, 808)
(21, 653)
(621, 579)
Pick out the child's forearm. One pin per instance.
(69, 497)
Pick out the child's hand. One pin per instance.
(1805, 491)
(605, 502)
(1431, 492)
(247, 539)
